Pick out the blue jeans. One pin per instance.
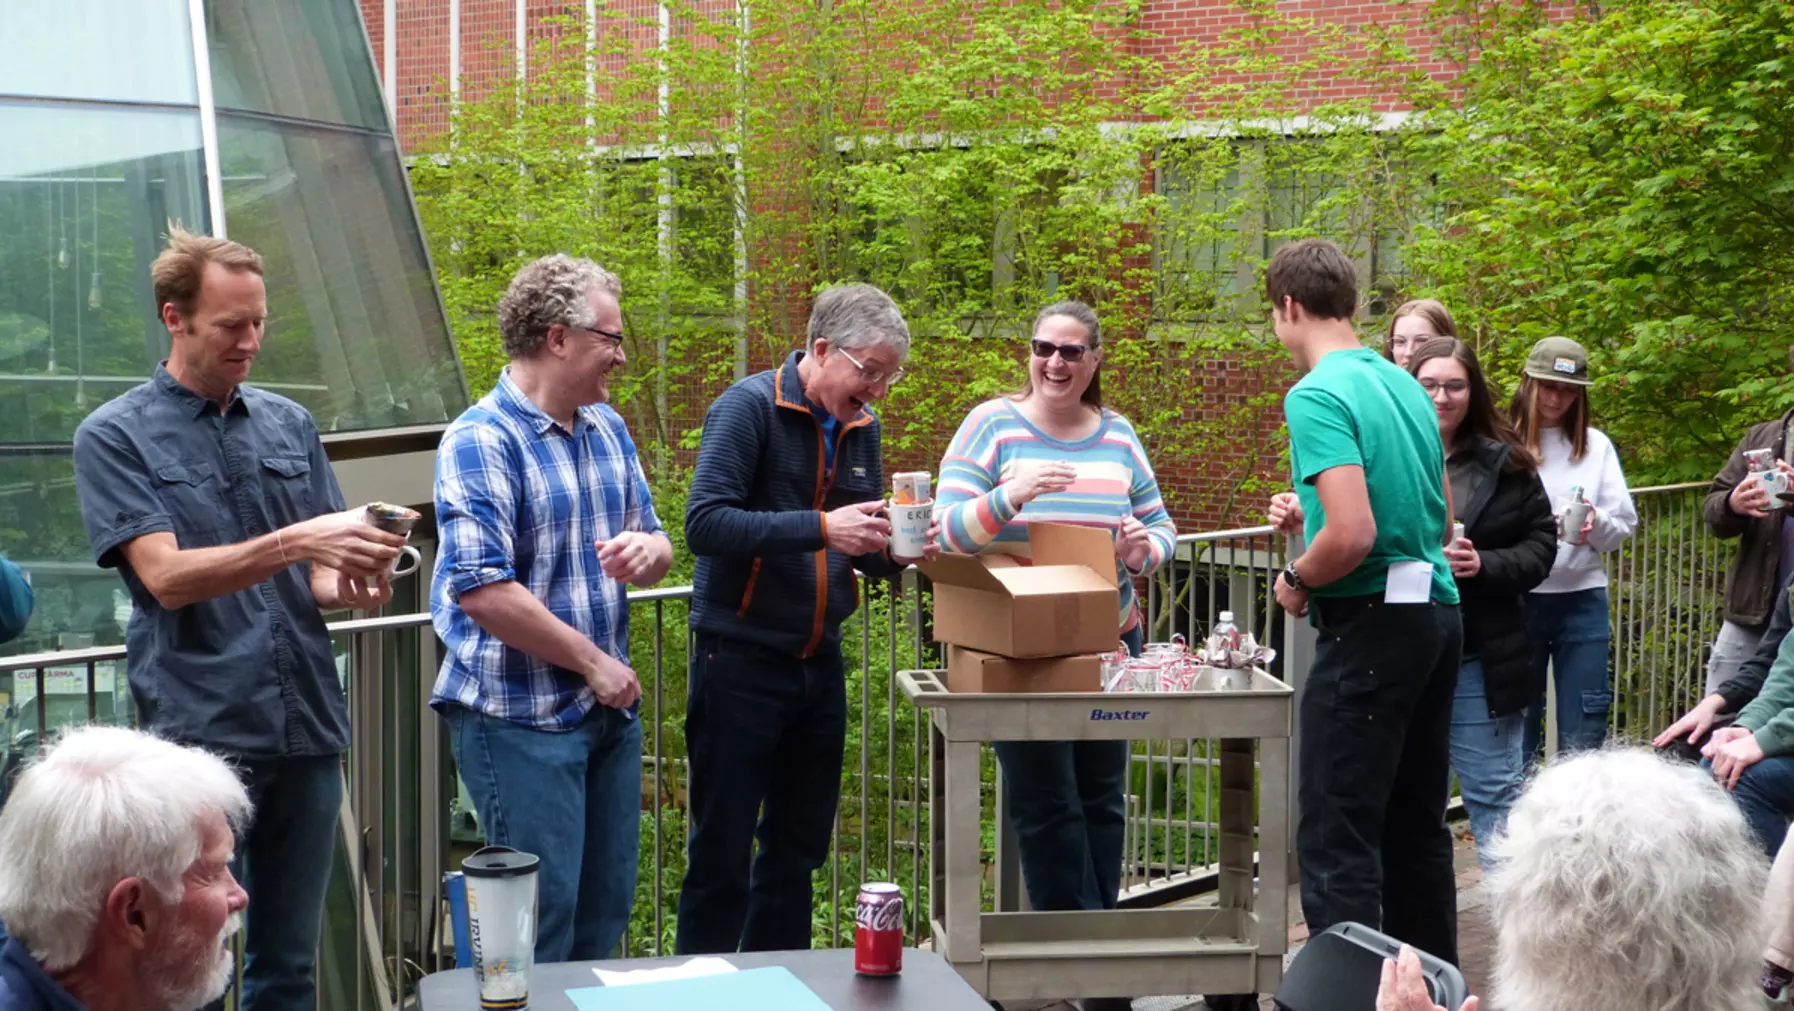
(1485, 754)
(764, 731)
(284, 859)
(1765, 793)
(1064, 800)
(574, 799)
(1570, 632)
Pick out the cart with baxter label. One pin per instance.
(1025, 662)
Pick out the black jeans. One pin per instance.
(764, 732)
(1375, 770)
(1064, 799)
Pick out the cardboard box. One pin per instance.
(1063, 604)
(968, 670)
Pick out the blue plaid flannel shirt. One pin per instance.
(519, 498)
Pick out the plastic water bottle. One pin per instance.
(1574, 515)
(1227, 631)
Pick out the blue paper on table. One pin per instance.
(770, 989)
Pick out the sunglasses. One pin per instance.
(1070, 354)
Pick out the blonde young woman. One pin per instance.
(1567, 613)
(1414, 323)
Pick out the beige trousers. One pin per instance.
(1780, 903)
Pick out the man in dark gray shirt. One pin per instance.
(215, 502)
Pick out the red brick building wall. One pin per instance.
(1225, 488)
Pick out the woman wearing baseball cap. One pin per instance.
(1567, 613)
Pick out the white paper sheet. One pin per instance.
(1409, 583)
(704, 965)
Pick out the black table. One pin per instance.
(928, 983)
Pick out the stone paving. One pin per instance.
(1476, 939)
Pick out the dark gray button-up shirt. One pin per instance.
(249, 673)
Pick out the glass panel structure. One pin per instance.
(355, 329)
(107, 121)
(99, 50)
(298, 60)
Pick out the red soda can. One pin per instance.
(878, 930)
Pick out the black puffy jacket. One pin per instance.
(1509, 521)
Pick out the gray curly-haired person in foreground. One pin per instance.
(1625, 882)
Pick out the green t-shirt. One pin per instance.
(1356, 408)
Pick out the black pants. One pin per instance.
(764, 732)
(1375, 770)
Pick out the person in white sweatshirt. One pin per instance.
(1567, 613)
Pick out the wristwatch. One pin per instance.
(1293, 578)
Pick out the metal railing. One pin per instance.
(403, 824)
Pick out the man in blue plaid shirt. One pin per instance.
(544, 515)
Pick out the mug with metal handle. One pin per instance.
(395, 519)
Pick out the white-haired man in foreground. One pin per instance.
(115, 882)
(1625, 881)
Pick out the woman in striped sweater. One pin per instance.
(1053, 453)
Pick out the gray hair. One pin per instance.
(1625, 881)
(101, 805)
(1075, 310)
(856, 316)
(551, 290)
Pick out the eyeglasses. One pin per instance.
(1452, 388)
(1070, 354)
(614, 338)
(873, 377)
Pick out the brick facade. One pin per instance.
(1230, 403)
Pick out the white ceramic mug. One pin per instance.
(909, 529)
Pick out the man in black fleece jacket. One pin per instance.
(785, 504)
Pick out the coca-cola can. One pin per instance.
(878, 930)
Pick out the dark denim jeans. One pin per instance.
(764, 731)
(574, 799)
(1765, 793)
(1570, 631)
(1064, 800)
(283, 861)
(1375, 769)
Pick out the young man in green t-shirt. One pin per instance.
(1375, 714)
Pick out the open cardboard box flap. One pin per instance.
(1064, 603)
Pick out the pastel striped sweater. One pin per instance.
(1113, 480)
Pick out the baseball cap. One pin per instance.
(1558, 360)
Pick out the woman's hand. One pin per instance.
(1133, 545)
(1403, 987)
(1035, 480)
(1464, 559)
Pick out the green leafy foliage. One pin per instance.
(1626, 180)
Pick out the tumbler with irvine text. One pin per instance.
(912, 511)
(501, 921)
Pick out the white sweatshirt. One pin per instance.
(1578, 566)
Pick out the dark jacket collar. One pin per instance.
(169, 385)
(788, 391)
(18, 969)
(1488, 456)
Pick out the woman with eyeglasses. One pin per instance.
(1053, 453)
(1508, 542)
(1414, 323)
(1568, 611)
